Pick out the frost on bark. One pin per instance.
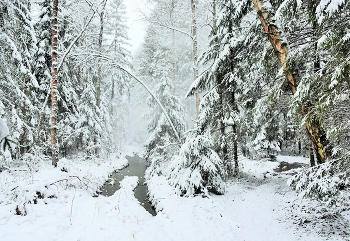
(195, 51)
(281, 50)
(54, 90)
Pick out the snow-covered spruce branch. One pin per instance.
(74, 41)
(155, 98)
(195, 84)
(111, 61)
(165, 146)
(171, 28)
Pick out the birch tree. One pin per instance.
(316, 133)
(54, 89)
(170, 15)
(195, 51)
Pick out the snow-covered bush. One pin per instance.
(328, 182)
(198, 168)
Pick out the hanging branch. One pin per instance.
(73, 42)
(113, 63)
(155, 98)
(171, 28)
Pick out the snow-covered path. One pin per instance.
(248, 211)
(253, 209)
(259, 210)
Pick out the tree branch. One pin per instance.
(171, 28)
(74, 41)
(112, 61)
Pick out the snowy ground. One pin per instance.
(256, 207)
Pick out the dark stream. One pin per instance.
(286, 166)
(137, 167)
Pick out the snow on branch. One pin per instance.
(113, 63)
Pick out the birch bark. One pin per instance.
(54, 90)
(195, 52)
(281, 50)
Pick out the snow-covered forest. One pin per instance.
(231, 121)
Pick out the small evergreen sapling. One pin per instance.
(197, 169)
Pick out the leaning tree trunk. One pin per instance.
(195, 51)
(281, 50)
(54, 90)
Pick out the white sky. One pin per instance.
(135, 23)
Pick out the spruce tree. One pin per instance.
(197, 169)
(19, 85)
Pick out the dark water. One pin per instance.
(286, 166)
(137, 167)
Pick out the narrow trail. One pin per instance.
(259, 208)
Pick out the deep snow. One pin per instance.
(256, 206)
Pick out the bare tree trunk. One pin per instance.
(23, 142)
(234, 130)
(317, 67)
(173, 51)
(235, 147)
(112, 96)
(29, 5)
(99, 75)
(54, 90)
(99, 71)
(281, 51)
(195, 52)
(223, 141)
(312, 157)
(173, 44)
(225, 157)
